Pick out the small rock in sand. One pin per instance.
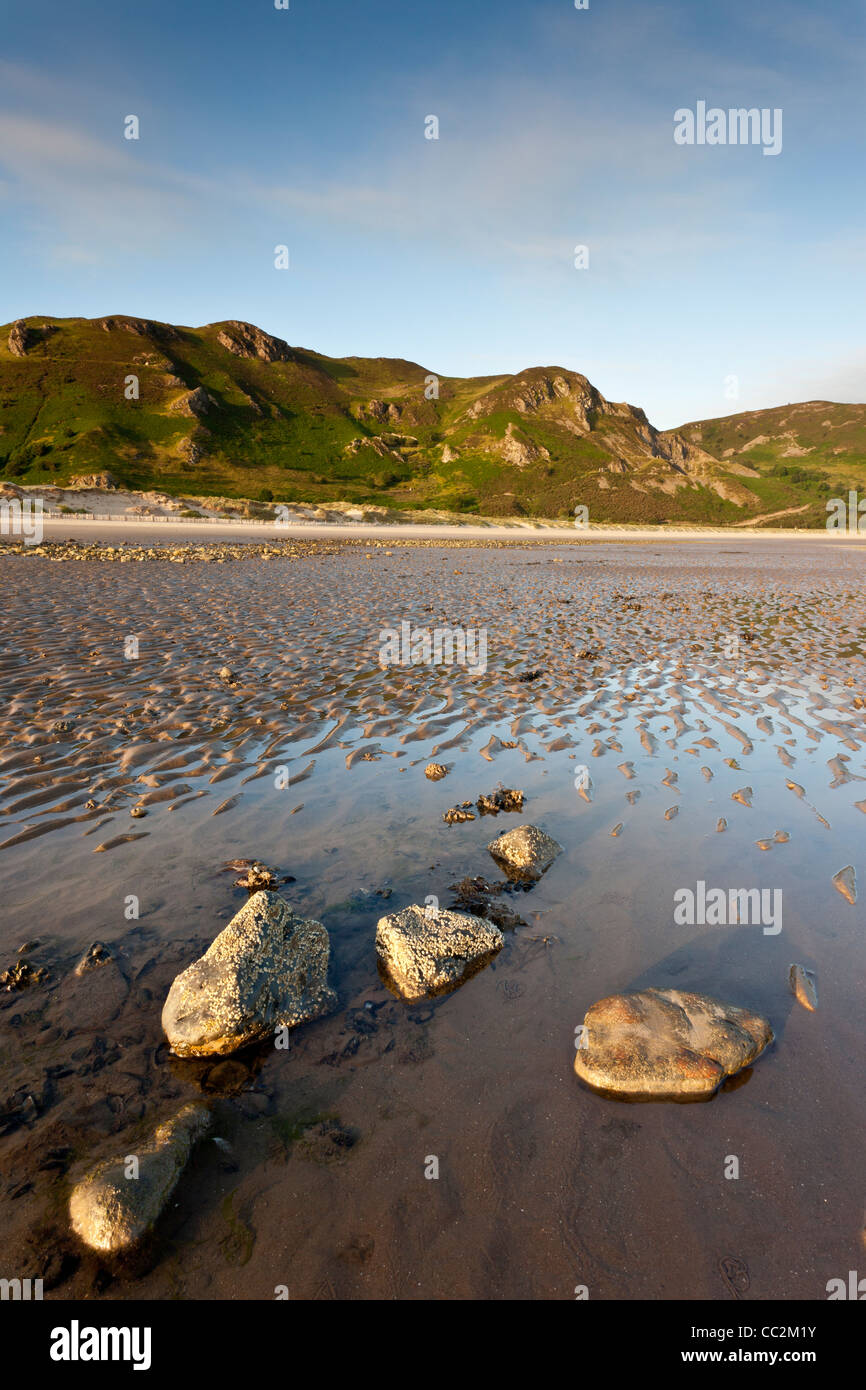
(804, 986)
(96, 955)
(503, 799)
(424, 952)
(845, 882)
(111, 1210)
(266, 969)
(525, 850)
(456, 815)
(21, 975)
(666, 1043)
(257, 876)
(435, 771)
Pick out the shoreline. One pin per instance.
(115, 529)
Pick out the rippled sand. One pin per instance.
(657, 750)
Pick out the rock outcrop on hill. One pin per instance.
(245, 340)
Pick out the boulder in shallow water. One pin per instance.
(266, 969)
(525, 850)
(111, 1209)
(666, 1043)
(424, 952)
(804, 986)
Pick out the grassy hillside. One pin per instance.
(230, 410)
(803, 453)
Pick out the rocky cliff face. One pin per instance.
(532, 392)
(20, 338)
(245, 340)
(142, 328)
(194, 403)
(519, 450)
(559, 401)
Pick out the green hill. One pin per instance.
(228, 409)
(802, 454)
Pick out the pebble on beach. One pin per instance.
(95, 957)
(845, 882)
(804, 986)
(526, 850)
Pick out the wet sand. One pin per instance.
(543, 1185)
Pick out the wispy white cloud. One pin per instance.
(88, 199)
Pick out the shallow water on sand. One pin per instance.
(688, 674)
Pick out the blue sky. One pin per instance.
(305, 127)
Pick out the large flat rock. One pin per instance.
(666, 1043)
